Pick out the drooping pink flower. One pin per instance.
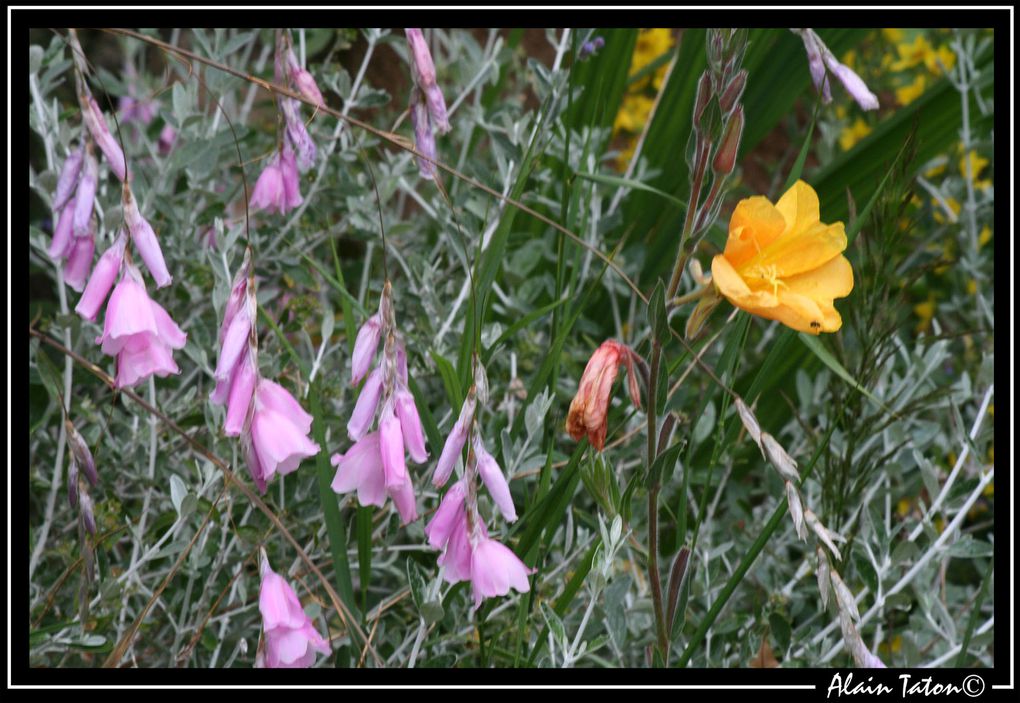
(410, 425)
(237, 365)
(67, 182)
(424, 71)
(291, 639)
(297, 134)
(365, 346)
(361, 469)
(79, 260)
(60, 245)
(95, 122)
(454, 442)
(268, 193)
(448, 516)
(290, 177)
(139, 332)
(365, 408)
(102, 279)
(145, 239)
(494, 480)
(303, 80)
(391, 446)
(820, 59)
(279, 433)
(495, 569)
(85, 196)
(424, 139)
(456, 558)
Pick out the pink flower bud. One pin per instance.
(85, 197)
(456, 559)
(364, 409)
(589, 409)
(268, 193)
(494, 480)
(145, 239)
(364, 347)
(391, 446)
(726, 156)
(424, 139)
(410, 426)
(60, 246)
(290, 178)
(454, 442)
(242, 390)
(79, 261)
(297, 134)
(102, 280)
(303, 80)
(448, 516)
(96, 124)
(68, 180)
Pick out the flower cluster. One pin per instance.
(589, 409)
(468, 553)
(291, 639)
(427, 107)
(278, 186)
(273, 425)
(375, 465)
(74, 236)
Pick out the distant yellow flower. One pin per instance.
(985, 236)
(911, 91)
(912, 54)
(932, 172)
(893, 35)
(782, 263)
(925, 312)
(935, 60)
(939, 212)
(853, 134)
(850, 58)
(626, 154)
(633, 113)
(972, 286)
(977, 165)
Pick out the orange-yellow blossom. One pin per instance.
(590, 407)
(782, 263)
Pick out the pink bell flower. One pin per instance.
(410, 425)
(391, 447)
(268, 193)
(448, 516)
(424, 139)
(424, 71)
(79, 260)
(365, 346)
(456, 558)
(60, 245)
(102, 280)
(494, 480)
(279, 433)
(361, 469)
(297, 134)
(139, 332)
(145, 239)
(242, 390)
(290, 178)
(96, 124)
(291, 639)
(454, 443)
(495, 569)
(364, 409)
(85, 196)
(67, 182)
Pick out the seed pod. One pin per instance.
(80, 453)
(775, 453)
(822, 531)
(823, 576)
(749, 420)
(844, 597)
(796, 509)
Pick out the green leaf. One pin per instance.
(819, 350)
(657, 318)
(633, 185)
(665, 462)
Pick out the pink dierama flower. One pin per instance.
(291, 639)
(455, 441)
(290, 177)
(495, 569)
(424, 139)
(494, 480)
(375, 466)
(297, 134)
(145, 239)
(67, 182)
(278, 441)
(139, 332)
(85, 196)
(60, 245)
(448, 516)
(132, 108)
(303, 80)
(821, 59)
(79, 260)
(95, 122)
(365, 346)
(268, 193)
(424, 71)
(102, 279)
(167, 139)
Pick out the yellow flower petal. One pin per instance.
(736, 290)
(754, 225)
(802, 251)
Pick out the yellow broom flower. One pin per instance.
(782, 263)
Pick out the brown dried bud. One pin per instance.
(726, 156)
(80, 453)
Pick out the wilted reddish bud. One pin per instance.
(726, 157)
(733, 91)
(589, 409)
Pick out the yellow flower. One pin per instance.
(893, 35)
(853, 134)
(935, 60)
(985, 236)
(850, 58)
(938, 211)
(633, 113)
(912, 91)
(977, 165)
(925, 312)
(626, 154)
(932, 172)
(972, 286)
(912, 54)
(782, 263)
